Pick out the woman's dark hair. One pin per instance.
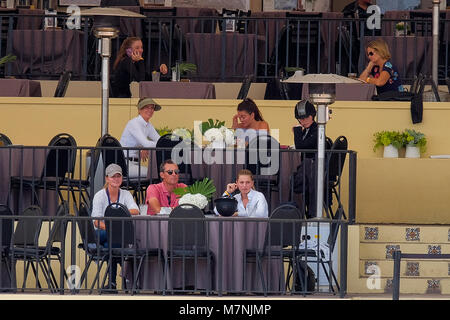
(127, 43)
(249, 106)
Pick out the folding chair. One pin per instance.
(25, 245)
(187, 240)
(281, 243)
(91, 246)
(59, 165)
(7, 227)
(4, 140)
(122, 243)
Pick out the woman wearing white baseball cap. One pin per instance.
(140, 133)
(111, 193)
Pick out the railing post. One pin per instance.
(352, 188)
(343, 260)
(396, 280)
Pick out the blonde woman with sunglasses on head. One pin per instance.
(379, 70)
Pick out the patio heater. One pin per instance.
(322, 91)
(434, 67)
(105, 28)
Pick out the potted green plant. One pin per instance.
(290, 71)
(183, 69)
(415, 143)
(402, 29)
(6, 59)
(390, 140)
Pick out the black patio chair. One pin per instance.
(4, 140)
(187, 240)
(59, 165)
(44, 255)
(164, 148)
(263, 159)
(63, 83)
(112, 152)
(245, 87)
(7, 228)
(281, 243)
(333, 172)
(25, 245)
(91, 246)
(122, 246)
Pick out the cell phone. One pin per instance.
(129, 52)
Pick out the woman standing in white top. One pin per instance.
(138, 133)
(251, 203)
(111, 193)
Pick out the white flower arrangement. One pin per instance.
(219, 136)
(197, 199)
(183, 133)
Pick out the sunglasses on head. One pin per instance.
(170, 172)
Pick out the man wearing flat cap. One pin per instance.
(140, 133)
(305, 137)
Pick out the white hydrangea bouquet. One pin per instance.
(197, 194)
(219, 137)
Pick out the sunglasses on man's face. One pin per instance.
(170, 172)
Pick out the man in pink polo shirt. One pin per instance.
(161, 194)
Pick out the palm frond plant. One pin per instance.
(198, 194)
(7, 58)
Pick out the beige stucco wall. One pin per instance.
(388, 190)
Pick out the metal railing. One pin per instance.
(263, 47)
(62, 267)
(48, 175)
(398, 256)
(75, 174)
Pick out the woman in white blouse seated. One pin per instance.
(251, 203)
(111, 193)
(138, 133)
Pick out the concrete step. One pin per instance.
(404, 233)
(408, 268)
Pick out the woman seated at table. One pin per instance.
(251, 203)
(138, 133)
(248, 116)
(248, 122)
(129, 66)
(111, 193)
(379, 70)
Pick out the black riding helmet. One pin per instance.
(304, 109)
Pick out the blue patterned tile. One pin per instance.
(434, 249)
(371, 233)
(412, 269)
(390, 250)
(412, 234)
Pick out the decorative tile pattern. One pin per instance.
(367, 265)
(390, 250)
(433, 286)
(412, 269)
(371, 233)
(434, 249)
(412, 234)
